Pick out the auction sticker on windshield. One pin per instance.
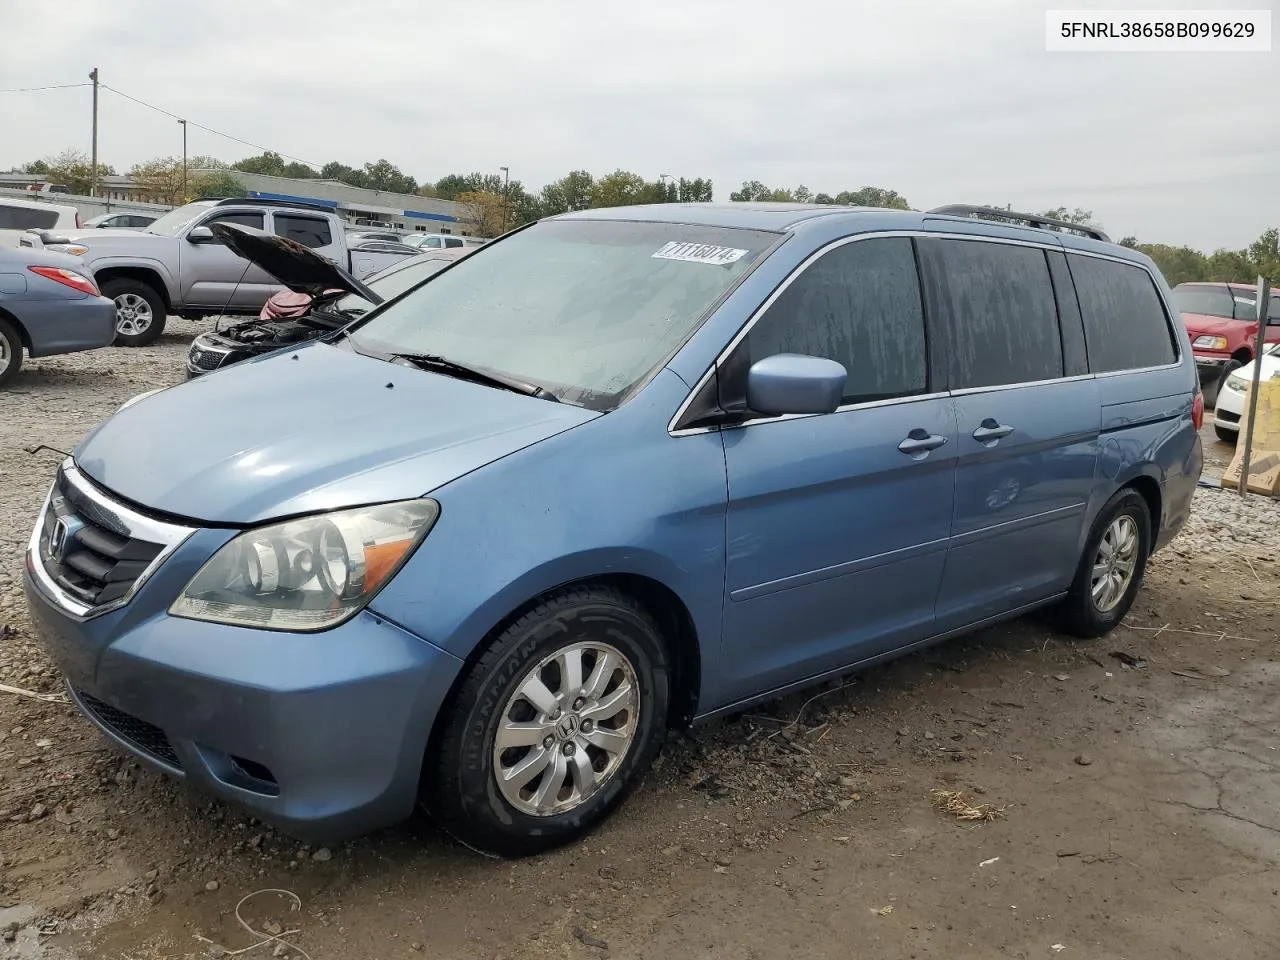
(700, 253)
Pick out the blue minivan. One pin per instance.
(619, 470)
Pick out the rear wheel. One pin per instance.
(1111, 568)
(553, 726)
(140, 312)
(10, 352)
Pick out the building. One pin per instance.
(112, 187)
(403, 212)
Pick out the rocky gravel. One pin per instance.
(1128, 788)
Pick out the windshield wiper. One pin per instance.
(429, 361)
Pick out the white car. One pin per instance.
(1231, 398)
(439, 241)
(19, 216)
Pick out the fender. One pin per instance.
(150, 264)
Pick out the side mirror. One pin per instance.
(200, 235)
(792, 383)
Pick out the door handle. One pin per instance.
(920, 442)
(990, 431)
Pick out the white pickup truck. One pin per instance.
(177, 266)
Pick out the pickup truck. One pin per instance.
(177, 266)
(1222, 322)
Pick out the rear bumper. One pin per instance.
(67, 326)
(321, 734)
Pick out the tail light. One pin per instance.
(68, 278)
(1197, 409)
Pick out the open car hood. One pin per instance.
(300, 269)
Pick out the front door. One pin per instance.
(214, 277)
(837, 525)
(1029, 420)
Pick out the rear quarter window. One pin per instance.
(1125, 324)
(26, 218)
(308, 231)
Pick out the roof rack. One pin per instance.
(262, 202)
(1030, 219)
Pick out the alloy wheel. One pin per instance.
(133, 314)
(1115, 562)
(567, 729)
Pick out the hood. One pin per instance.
(1270, 368)
(312, 429)
(299, 268)
(1201, 324)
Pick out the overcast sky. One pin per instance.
(942, 100)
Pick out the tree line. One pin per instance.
(495, 204)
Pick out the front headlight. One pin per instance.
(1210, 343)
(75, 249)
(307, 574)
(1237, 383)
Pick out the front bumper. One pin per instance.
(321, 734)
(1229, 409)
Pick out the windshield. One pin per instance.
(583, 308)
(389, 286)
(1221, 301)
(171, 224)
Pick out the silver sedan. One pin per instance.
(48, 304)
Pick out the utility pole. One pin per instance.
(506, 194)
(185, 198)
(93, 160)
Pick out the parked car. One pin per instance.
(439, 241)
(1222, 322)
(321, 298)
(121, 221)
(48, 305)
(1229, 410)
(616, 470)
(176, 266)
(363, 236)
(17, 216)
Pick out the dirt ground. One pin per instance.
(1134, 801)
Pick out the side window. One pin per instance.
(1273, 312)
(243, 219)
(1124, 320)
(26, 218)
(1001, 316)
(433, 242)
(453, 242)
(860, 306)
(308, 231)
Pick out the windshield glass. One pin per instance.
(389, 286)
(171, 223)
(583, 308)
(1220, 301)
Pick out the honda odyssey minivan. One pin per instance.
(616, 471)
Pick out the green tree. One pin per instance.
(873, 197)
(160, 180)
(343, 174)
(37, 167)
(270, 164)
(620, 189)
(1078, 215)
(215, 185)
(751, 190)
(1264, 254)
(385, 175)
(698, 190)
(448, 188)
(570, 192)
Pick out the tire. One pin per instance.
(1227, 436)
(140, 312)
(1082, 613)
(10, 352)
(464, 793)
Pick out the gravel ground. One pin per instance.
(1135, 812)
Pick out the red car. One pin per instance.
(1221, 319)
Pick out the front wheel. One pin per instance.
(553, 726)
(10, 352)
(1112, 567)
(140, 312)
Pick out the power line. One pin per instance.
(53, 86)
(216, 133)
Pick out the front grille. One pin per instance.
(87, 551)
(205, 359)
(147, 737)
(1226, 416)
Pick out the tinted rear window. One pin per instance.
(1124, 320)
(308, 231)
(1001, 314)
(26, 218)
